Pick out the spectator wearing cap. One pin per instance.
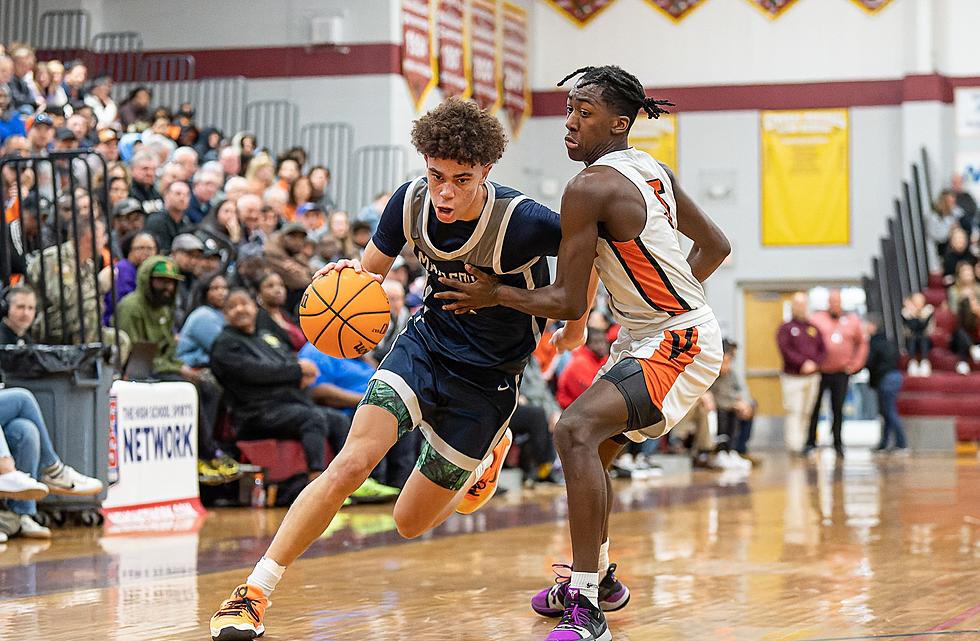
(40, 134)
(170, 223)
(206, 185)
(127, 217)
(147, 315)
(108, 144)
(11, 120)
(65, 140)
(284, 252)
(187, 252)
(99, 98)
(314, 220)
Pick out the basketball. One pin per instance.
(344, 314)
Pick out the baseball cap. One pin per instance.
(43, 119)
(187, 243)
(166, 269)
(308, 207)
(293, 228)
(127, 206)
(108, 135)
(64, 133)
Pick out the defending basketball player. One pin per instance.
(620, 214)
(454, 377)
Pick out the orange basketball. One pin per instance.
(344, 314)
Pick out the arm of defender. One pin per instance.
(711, 247)
(567, 297)
(575, 332)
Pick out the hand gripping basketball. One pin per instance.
(344, 312)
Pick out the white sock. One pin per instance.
(587, 583)
(266, 575)
(604, 557)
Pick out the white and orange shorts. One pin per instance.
(662, 376)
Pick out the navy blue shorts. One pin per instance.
(462, 410)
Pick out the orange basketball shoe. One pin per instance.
(240, 617)
(486, 486)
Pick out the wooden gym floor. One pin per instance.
(871, 549)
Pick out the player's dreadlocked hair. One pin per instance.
(621, 90)
(459, 130)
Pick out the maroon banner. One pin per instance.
(580, 11)
(517, 89)
(418, 49)
(454, 49)
(772, 8)
(676, 10)
(485, 54)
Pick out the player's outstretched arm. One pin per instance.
(711, 247)
(374, 261)
(567, 298)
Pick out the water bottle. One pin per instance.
(258, 490)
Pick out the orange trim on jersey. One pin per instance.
(648, 277)
(677, 350)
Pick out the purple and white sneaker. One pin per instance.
(550, 602)
(580, 621)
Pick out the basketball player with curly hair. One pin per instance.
(455, 377)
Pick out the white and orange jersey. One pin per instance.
(651, 287)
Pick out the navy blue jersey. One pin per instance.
(511, 239)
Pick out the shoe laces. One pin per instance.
(236, 606)
(560, 577)
(573, 615)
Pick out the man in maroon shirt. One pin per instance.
(803, 350)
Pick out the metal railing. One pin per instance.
(330, 144)
(62, 220)
(166, 68)
(116, 53)
(63, 34)
(218, 101)
(374, 169)
(274, 123)
(18, 21)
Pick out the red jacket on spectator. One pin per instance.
(578, 375)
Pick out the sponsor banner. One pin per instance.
(967, 104)
(805, 177)
(455, 69)
(419, 65)
(580, 12)
(676, 10)
(153, 453)
(516, 88)
(657, 137)
(772, 8)
(485, 53)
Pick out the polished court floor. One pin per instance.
(867, 549)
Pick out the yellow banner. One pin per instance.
(805, 177)
(657, 137)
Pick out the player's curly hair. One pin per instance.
(621, 90)
(459, 130)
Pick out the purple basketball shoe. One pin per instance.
(580, 621)
(550, 602)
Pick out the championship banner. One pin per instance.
(516, 89)
(805, 177)
(455, 70)
(580, 12)
(872, 6)
(772, 8)
(484, 55)
(657, 137)
(419, 64)
(152, 456)
(676, 10)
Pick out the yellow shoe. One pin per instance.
(240, 617)
(486, 486)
